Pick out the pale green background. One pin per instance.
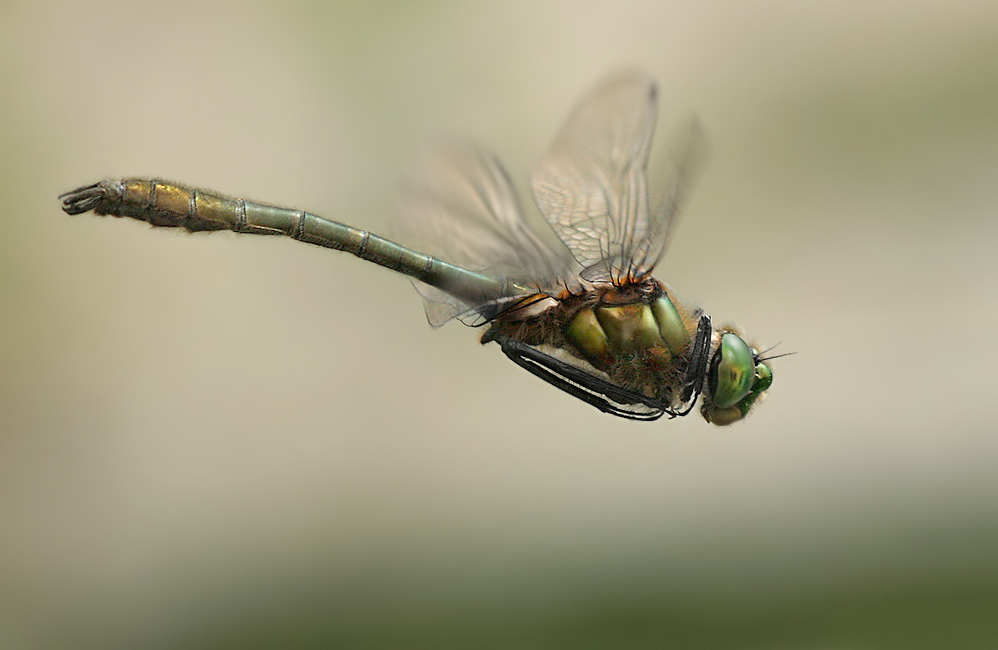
(224, 441)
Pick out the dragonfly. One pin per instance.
(576, 306)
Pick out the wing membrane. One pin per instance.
(686, 156)
(591, 188)
(463, 208)
(591, 185)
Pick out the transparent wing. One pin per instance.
(591, 186)
(462, 208)
(686, 156)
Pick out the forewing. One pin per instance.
(670, 185)
(591, 186)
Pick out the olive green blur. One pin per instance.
(221, 441)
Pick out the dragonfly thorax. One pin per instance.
(638, 336)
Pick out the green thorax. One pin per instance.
(606, 332)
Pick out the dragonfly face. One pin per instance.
(736, 379)
(586, 316)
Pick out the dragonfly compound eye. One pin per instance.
(734, 373)
(762, 380)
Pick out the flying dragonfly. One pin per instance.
(584, 315)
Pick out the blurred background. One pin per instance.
(223, 441)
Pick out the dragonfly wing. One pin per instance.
(441, 307)
(463, 209)
(591, 185)
(670, 186)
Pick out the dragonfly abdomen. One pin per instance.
(170, 205)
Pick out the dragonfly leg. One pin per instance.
(697, 370)
(605, 396)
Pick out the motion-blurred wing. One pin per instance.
(462, 208)
(669, 187)
(591, 185)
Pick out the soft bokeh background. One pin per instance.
(224, 441)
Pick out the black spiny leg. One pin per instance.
(605, 396)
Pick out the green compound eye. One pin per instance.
(735, 372)
(761, 381)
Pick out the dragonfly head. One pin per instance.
(736, 378)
